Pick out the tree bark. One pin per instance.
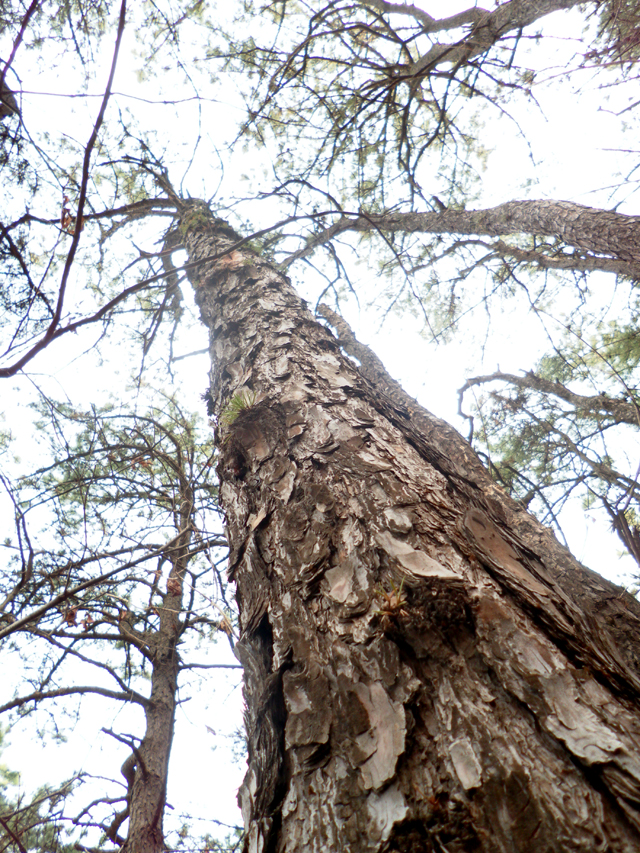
(426, 668)
(596, 232)
(146, 770)
(487, 29)
(8, 103)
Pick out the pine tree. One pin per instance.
(425, 667)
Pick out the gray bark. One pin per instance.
(426, 668)
(597, 232)
(486, 27)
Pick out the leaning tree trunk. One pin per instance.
(426, 669)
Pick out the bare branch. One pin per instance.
(70, 691)
(600, 232)
(19, 624)
(586, 407)
(50, 334)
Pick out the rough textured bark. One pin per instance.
(488, 27)
(8, 103)
(597, 232)
(426, 668)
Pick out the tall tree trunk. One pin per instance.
(426, 668)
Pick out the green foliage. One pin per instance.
(610, 353)
(36, 821)
(231, 843)
(237, 404)
(123, 492)
(7, 776)
(619, 34)
(569, 428)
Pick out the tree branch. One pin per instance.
(563, 261)
(69, 593)
(488, 28)
(587, 407)
(600, 232)
(70, 691)
(16, 44)
(401, 9)
(14, 837)
(49, 335)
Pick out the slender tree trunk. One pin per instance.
(426, 669)
(146, 770)
(149, 778)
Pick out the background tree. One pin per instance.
(30, 824)
(107, 580)
(536, 423)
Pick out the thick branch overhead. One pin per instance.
(597, 232)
